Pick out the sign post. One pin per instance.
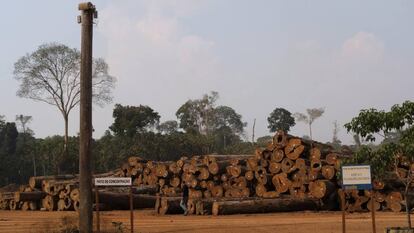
(113, 181)
(98, 226)
(342, 198)
(131, 206)
(356, 177)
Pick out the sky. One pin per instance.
(343, 56)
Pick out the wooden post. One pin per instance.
(342, 197)
(98, 224)
(131, 204)
(374, 230)
(85, 138)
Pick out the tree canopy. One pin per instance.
(280, 119)
(371, 122)
(202, 116)
(310, 117)
(51, 74)
(198, 115)
(130, 120)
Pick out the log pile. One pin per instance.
(290, 174)
(50, 193)
(384, 199)
(387, 195)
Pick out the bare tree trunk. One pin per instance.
(254, 125)
(310, 131)
(66, 137)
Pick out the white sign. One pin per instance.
(357, 175)
(113, 181)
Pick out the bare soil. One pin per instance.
(147, 221)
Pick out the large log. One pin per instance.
(263, 206)
(321, 188)
(29, 196)
(35, 182)
(120, 201)
(50, 202)
(170, 205)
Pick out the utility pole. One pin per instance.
(85, 151)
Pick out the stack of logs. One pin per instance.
(61, 193)
(290, 174)
(383, 198)
(387, 194)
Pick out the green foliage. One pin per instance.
(396, 126)
(8, 144)
(168, 127)
(131, 120)
(379, 157)
(197, 115)
(222, 126)
(280, 119)
(372, 121)
(227, 117)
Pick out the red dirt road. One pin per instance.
(146, 221)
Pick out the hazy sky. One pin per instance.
(259, 55)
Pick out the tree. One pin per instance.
(225, 116)
(398, 123)
(197, 115)
(131, 120)
(312, 115)
(168, 127)
(280, 119)
(51, 74)
(372, 122)
(336, 143)
(221, 125)
(8, 144)
(22, 121)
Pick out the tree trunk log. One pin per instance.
(263, 206)
(29, 196)
(120, 201)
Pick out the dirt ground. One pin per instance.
(146, 221)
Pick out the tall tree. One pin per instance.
(25, 131)
(198, 115)
(131, 120)
(312, 115)
(51, 74)
(336, 143)
(22, 121)
(221, 125)
(280, 119)
(225, 116)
